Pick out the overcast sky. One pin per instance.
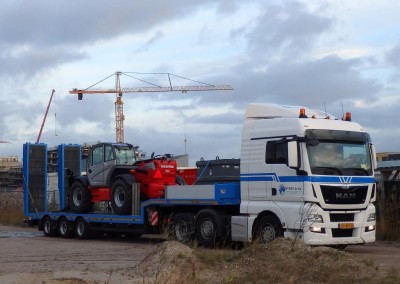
(329, 54)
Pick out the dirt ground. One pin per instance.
(29, 257)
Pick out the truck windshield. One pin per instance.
(340, 158)
(125, 155)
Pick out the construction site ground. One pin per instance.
(29, 257)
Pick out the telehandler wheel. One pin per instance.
(48, 227)
(121, 197)
(183, 227)
(82, 229)
(180, 181)
(267, 229)
(64, 228)
(79, 198)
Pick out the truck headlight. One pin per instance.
(370, 228)
(371, 217)
(317, 230)
(314, 218)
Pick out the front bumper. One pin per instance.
(340, 227)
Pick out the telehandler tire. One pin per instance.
(79, 198)
(121, 197)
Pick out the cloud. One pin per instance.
(155, 38)
(286, 29)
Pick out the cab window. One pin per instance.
(97, 155)
(276, 152)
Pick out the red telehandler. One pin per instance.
(112, 169)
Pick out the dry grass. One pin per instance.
(279, 262)
(388, 209)
(11, 208)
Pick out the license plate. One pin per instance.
(346, 226)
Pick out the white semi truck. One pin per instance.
(301, 174)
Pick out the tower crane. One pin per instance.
(119, 112)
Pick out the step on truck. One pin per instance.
(301, 174)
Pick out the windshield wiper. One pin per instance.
(332, 169)
(359, 170)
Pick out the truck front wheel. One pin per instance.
(79, 198)
(267, 230)
(121, 200)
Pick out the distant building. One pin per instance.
(10, 173)
(388, 166)
(388, 156)
(9, 162)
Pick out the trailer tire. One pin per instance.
(82, 229)
(48, 227)
(121, 197)
(183, 227)
(79, 198)
(64, 228)
(267, 229)
(207, 229)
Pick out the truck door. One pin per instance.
(109, 161)
(260, 172)
(96, 169)
(286, 184)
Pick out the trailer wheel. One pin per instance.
(48, 227)
(79, 198)
(206, 229)
(267, 230)
(121, 200)
(183, 227)
(64, 228)
(82, 229)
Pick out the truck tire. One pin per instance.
(206, 229)
(121, 197)
(64, 228)
(267, 229)
(82, 229)
(48, 227)
(183, 227)
(79, 198)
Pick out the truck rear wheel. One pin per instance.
(79, 198)
(183, 227)
(121, 200)
(206, 229)
(48, 227)
(267, 229)
(82, 229)
(64, 228)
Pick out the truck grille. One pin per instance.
(344, 195)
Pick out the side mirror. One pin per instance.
(312, 142)
(293, 154)
(373, 157)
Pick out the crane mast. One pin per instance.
(119, 104)
(45, 116)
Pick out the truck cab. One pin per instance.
(106, 158)
(308, 172)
